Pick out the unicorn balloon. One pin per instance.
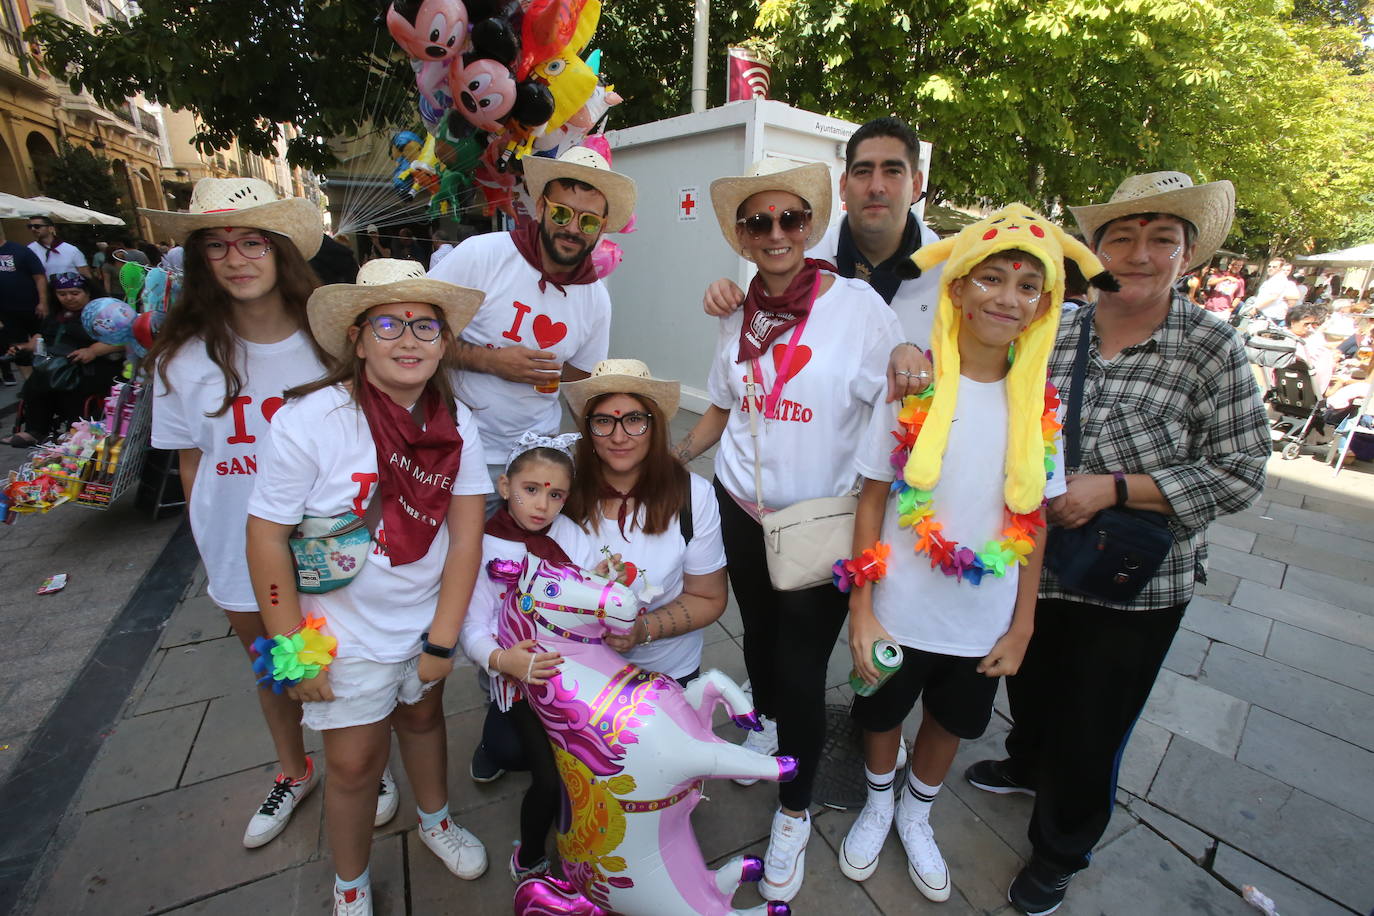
(633, 749)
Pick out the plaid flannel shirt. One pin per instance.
(1183, 407)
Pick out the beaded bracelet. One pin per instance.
(287, 659)
(869, 566)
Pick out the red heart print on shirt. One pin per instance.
(548, 332)
(799, 360)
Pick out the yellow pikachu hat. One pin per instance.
(1014, 226)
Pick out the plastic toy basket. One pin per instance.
(116, 469)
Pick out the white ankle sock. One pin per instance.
(920, 796)
(880, 793)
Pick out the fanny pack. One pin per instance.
(329, 552)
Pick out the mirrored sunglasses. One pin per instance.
(562, 214)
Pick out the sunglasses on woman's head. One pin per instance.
(561, 214)
(791, 221)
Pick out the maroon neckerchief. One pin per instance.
(504, 526)
(767, 317)
(415, 468)
(49, 250)
(527, 242)
(610, 492)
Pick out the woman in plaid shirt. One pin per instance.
(1171, 422)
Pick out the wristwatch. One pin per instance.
(430, 648)
(1121, 494)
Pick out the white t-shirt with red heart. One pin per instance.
(575, 325)
(837, 374)
(322, 463)
(230, 444)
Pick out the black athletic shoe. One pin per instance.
(1039, 888)
(482, 769)
(995, 776)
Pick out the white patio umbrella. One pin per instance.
(70, 213)
(1359, 256)
(13, 206)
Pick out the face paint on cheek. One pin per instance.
(978, 283)
(1106, 258)
(968, 315)
(1173, 255)
(1034, 299)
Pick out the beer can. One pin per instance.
(887, 658)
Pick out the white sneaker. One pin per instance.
(784, 866)
(762, 742)
(388, 799)
(354, 902)
(460, 851)
(276, 809)
(860, 847)
(925, 866)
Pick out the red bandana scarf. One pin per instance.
(415, 468)
(610, 492)
(504, 526)
(767, 317)
(527, 242)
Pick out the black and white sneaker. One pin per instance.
(995, 776)
(1039, 888)
(276, 809)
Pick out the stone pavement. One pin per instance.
(1251, 765)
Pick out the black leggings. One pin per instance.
(541, 802)
(788, 637)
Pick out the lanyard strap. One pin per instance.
(770, 405)
(1077, 382)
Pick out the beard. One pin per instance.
(546, 239)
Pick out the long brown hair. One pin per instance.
(205, 310)
(349, 369)
(664, 484)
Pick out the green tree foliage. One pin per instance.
(77, 175)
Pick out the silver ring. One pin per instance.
(922, 374)
(903, 372)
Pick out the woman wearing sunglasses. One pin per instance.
(816, 345)
(234, 340)
(645, 508)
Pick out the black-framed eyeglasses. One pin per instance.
(389, 327)
(252, 247)
(791, 221)
(635, 423)
(562, 214)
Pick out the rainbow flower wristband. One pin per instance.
(869, 566)
(286, 660)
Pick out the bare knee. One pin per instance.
(422, 718)
(355, 773)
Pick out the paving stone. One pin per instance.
(195, 620)
(1219, 585)
(1186, 653)
(1195, 844)
(1344, 545)
(1279, 497)
(30, 701)
(730, 618)
(1143, 756)
(309, 889)
(11, 749)
(178, 847)
(1324, 705)
(143, 756)
(1262, 817)
(1260, 523)
(464, 733)
(1355, 510)
(1306, 613)
(234, 737)
(1227, 624)
(462, 691)
(1222, 534)
(1197, 712)
(1330, 769)
(1142, 874)
(1316, 559)
(1329, 658)
(728, 657)
(1333, 590)
(197, 672)
(1245, 565)
(1237, 869)
(1309, 519)
(1007, 816)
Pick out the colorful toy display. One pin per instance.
(109, 320)
(633, 748)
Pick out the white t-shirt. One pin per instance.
(322, 462)
(478, 636)
(1275, 295)
(438, 254)
(576, 327)
(915, 301)
(919, 606)
(839, 371)
(230, 444)
(664, 558)
(65, 259)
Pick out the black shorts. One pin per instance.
(955, 693)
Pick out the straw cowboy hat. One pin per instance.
(248, 202)
(812, 183)
(589, 166)
(1209, 207)
(622, 376)
(334, 308)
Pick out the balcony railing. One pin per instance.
(9, 29)
(95, 6)
(148, 121)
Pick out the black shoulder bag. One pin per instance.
(1117, 552)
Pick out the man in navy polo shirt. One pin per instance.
(23, 288)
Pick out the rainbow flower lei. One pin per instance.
(916, 508)
(286, 660)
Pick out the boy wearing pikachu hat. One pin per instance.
(939, 551)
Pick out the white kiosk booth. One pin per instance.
(676, 249)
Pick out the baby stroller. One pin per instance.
(1290, 389)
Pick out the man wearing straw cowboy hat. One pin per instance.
(547, 316)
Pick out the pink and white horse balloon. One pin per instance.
(633, 748)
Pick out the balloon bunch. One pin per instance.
(135, 323)
(496, 80)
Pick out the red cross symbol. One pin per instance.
(687, 203)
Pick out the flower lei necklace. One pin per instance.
(916, 508)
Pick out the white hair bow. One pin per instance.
(531, 440)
